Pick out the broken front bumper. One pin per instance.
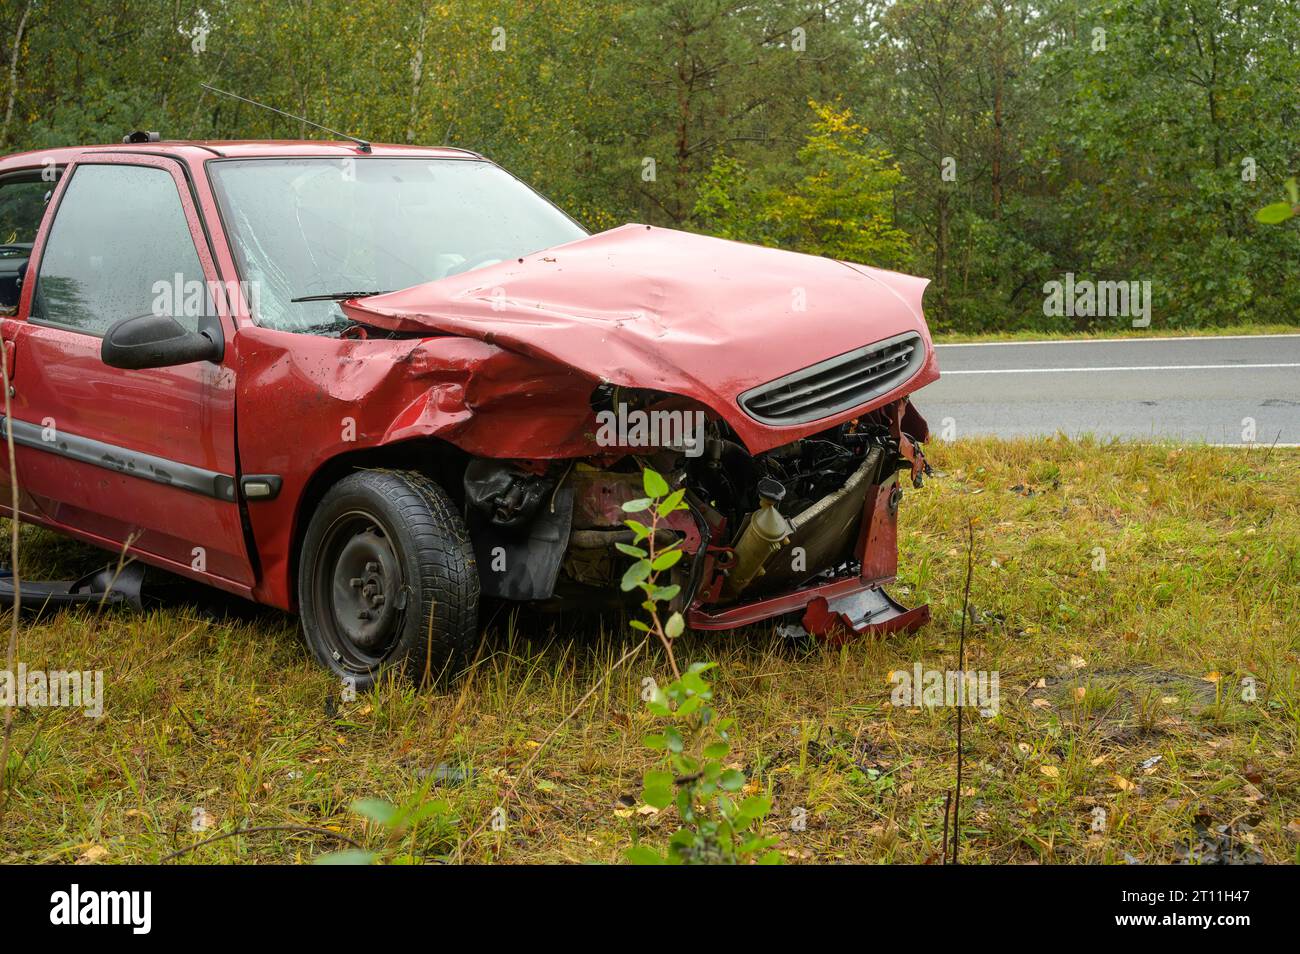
(834, 611)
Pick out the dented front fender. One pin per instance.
(304, 400)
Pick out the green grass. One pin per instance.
(1120, 331)
(1101, 672)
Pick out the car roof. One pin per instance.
(198, 150)
(251, 148)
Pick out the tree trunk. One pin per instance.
(941, 241)
(999, 67)
(417, 76)
(685, 91)
(13, 73)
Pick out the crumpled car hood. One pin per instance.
(647, 307)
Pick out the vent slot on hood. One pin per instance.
(836, 384)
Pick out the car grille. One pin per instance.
(836, 384)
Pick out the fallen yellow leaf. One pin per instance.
(93, 855)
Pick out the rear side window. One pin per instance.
(22, 206)
(119, 247)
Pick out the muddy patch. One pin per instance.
(1123, 704)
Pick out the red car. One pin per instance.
(372, 384)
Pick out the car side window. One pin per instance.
(22, 206)
(119, 247)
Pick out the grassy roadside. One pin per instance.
(1118, 332)
(1121, 689)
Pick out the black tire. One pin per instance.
(387, 579)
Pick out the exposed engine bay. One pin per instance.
(757, 525)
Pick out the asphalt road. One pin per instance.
(1186, 389)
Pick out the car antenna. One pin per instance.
(361, 143)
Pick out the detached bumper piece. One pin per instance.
(109, 587)
(835, 612)
(867, 612)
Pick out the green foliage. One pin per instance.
(1162, 145)
(649, 559)
(729, 204)
(839, 203)
(718, 824)
(842, 206)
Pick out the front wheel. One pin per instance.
(387, 579)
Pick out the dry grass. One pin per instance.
(1101, 672)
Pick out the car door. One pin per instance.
(139, 457)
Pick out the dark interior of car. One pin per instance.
(23, 199)
(13, 263)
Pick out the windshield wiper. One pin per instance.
(333, 328)
(339, 296)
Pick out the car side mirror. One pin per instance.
(160, 341)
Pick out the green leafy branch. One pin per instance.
(718, 826)
(1279, 212)
(652, 559)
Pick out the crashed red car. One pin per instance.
(373, 384)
